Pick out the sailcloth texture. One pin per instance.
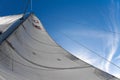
(27, 52)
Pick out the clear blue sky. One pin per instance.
(83, 27)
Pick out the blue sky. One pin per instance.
(86, 28)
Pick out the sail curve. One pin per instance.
(27, 52)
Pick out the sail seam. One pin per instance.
(56, 68)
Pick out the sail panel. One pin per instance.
(30, 53)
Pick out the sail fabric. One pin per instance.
(5, 22)
(29, 53)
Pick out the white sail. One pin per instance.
(27, 52)
(5, 22)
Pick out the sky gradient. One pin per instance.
(89, 29)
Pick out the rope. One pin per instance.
(27, 5)
(31, 7)
(90, 50)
